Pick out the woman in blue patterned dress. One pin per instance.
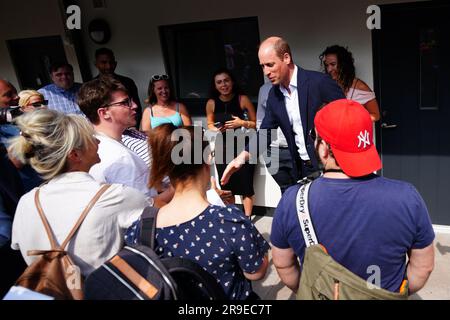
(221, 240)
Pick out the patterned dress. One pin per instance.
(221, 240)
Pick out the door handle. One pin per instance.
(384, 125)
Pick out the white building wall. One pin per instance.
(22, 19)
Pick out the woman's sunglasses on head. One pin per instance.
(158, 77)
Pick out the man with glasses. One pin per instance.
(106, 103)
(61, 94)
(106, 64)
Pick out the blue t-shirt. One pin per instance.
(221, 240)
(365, 222)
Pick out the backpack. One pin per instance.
(54, 273)
(138, 273)
(322, 277)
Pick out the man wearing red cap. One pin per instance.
(363, 220)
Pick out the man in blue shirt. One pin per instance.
(62, 93)
(363, 220)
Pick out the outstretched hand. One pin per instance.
(226, 195)
(234, 166)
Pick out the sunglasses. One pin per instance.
(157, 77)
(40, 104)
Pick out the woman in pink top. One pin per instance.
(338, 62)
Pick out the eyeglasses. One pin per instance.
(40, 104)
(127, 103)
(157, 77)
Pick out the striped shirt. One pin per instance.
(62, 100)
(136, 141)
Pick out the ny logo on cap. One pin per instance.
(363, 139)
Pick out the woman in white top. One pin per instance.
(338, 62)
(62, 149)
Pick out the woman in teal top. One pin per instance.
(162, 106)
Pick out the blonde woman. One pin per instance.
(30, 100)
(62, 148)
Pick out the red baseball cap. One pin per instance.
(347, 127)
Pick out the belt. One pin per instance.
(307, 163)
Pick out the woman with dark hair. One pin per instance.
(225, 113)
(338, 62)
(220, 239)
(162, 106)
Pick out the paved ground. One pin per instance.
(437, 287)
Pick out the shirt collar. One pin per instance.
(72, 177)
(100, 135)
(292, 84)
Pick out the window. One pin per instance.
(193, 51)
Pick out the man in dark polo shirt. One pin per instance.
(106, 63)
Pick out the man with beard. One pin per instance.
(361, 219)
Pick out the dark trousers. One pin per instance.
(13, 266)
(284, 176)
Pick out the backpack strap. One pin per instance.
(304, 218)
(148, 227)
(48, 229)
